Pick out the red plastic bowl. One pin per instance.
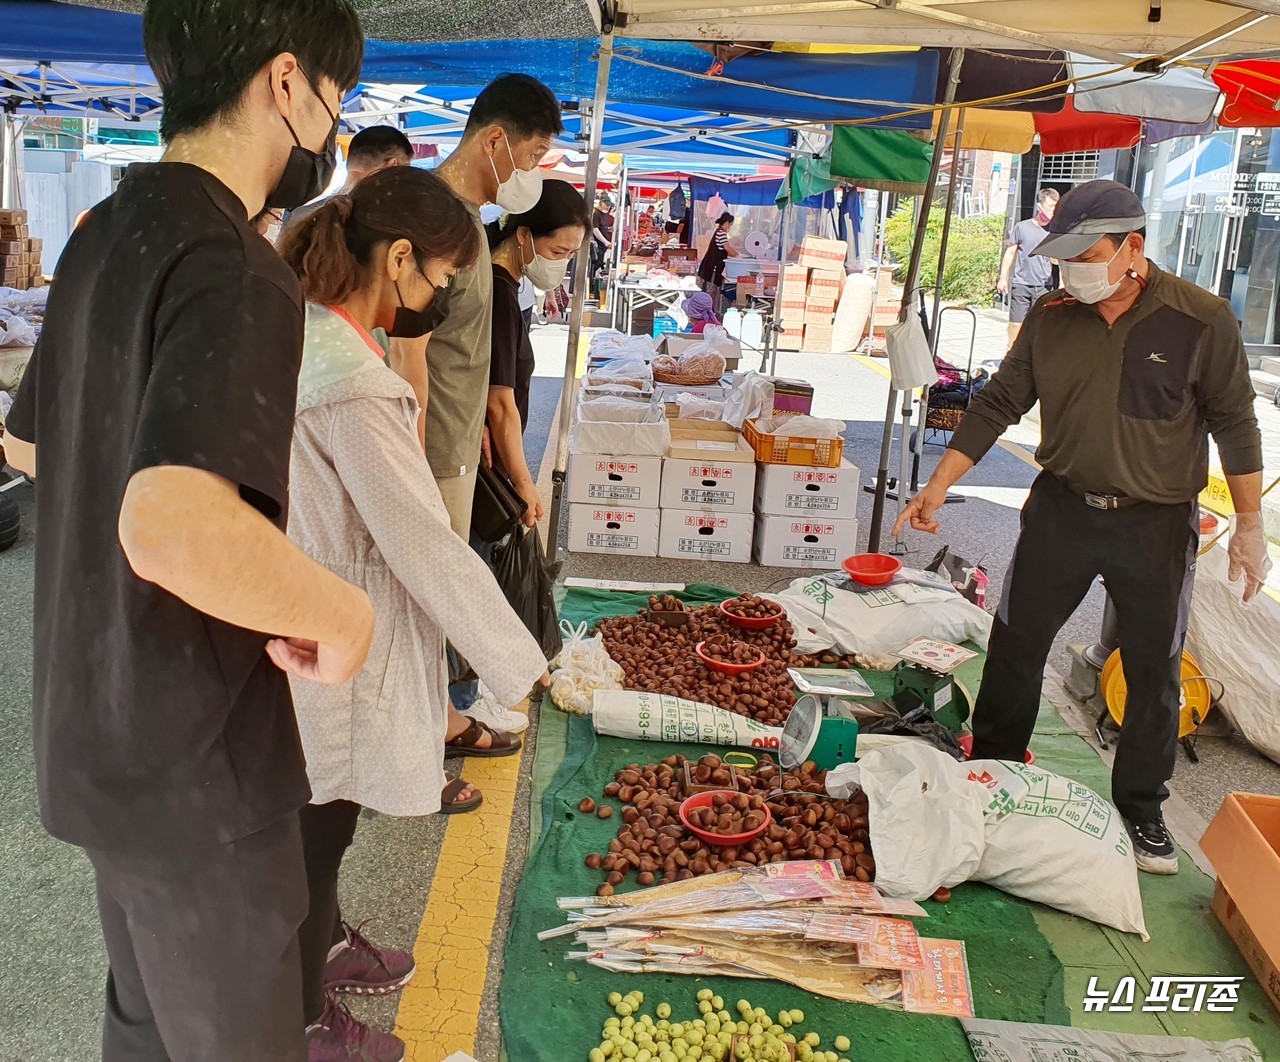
(872, 569)
(750, 623)
(728, 669)
(965, 741)
(702, 800)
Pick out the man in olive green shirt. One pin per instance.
(512, 125)
(1133, 367)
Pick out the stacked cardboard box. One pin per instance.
(708, 485)
(806, 517)
(19, 253)
(825, 260)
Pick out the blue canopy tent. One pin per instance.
(642, 74)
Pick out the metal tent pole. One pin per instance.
(935, 330)
(580, 268)
(913, 273)
(619, 252)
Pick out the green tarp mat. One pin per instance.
(886, 159)
(1027, 962)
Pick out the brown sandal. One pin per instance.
(501, 743)
(451, 805)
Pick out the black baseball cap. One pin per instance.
(1086, 214)
(726, 216)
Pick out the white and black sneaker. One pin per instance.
(1153, 847)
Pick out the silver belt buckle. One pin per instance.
(1101, 501)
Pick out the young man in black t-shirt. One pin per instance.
(157, 414)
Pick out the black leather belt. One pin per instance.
(1102, 501)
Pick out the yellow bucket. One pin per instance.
(1195, 699)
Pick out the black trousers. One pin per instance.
(203, 951)
(327, 832)
(1146, 553)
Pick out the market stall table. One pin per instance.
(638, 294)
(1027, 962)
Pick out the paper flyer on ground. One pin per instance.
(942, 987)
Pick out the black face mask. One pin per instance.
(412, 324)
(307, 173)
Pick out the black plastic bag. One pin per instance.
(919, 722)
(521, 569)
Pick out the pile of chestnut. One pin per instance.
(751, 606)
(661, 659)
(730, 651)
(653, 844)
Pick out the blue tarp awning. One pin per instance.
(814, 88)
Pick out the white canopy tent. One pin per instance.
(1103, 28)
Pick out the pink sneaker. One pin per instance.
(339, 1037)
(358, 966)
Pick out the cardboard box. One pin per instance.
(1245, 938)
(632, 482)
(36, 246)
(826, 286)
(790, 311)
(602, 529)
(793, 281)
(13, 217)
(1243, 844)
(702, 534)
(792, 396)
(797, 542)
(709, 466)
(8, 247)
(823, 254)
(38, 281)
(818, 337)
(824, 493)
(11, 275)
(14, 232)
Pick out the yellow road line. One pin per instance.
(1013, 448)
(440, 1008)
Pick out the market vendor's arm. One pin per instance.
(408, 360)
(1226, 399)
(508, 440)
(994, 409)
(192, 533)
(390, 483)
(19, 453)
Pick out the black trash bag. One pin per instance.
(521, 568)
(919, 722)
(952, 566)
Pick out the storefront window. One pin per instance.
(1213, 208)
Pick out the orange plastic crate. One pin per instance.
(792, 450)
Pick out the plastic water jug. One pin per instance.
(733, 323)
(752, 330)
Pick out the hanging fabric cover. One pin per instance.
(884, 159)
(677, 203)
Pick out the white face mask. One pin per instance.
(519, 192)
(545, 274)
(1087, 281)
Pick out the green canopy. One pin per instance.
(885, 159)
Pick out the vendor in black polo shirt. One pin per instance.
(1133, 367)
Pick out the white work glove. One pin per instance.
(1247, 553)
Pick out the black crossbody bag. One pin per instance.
(497, 509)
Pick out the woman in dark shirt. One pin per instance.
(719, 250)
(536, 244)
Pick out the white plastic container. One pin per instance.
(752, 329)
(733, 323)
